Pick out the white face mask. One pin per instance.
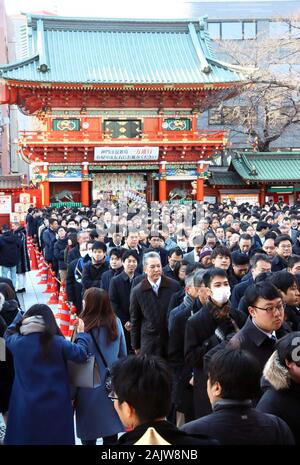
(84, 225)
(90, 253)
(182, 244)
(83, 253)
(221, 294)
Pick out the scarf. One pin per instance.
(32, 324)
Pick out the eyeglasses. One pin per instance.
(269, 310)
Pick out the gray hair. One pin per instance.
(198, 277)
(150, 255)
(189, 280)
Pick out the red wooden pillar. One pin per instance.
(85, 195)
(45, 187)
(200, 181)
(162, 183)
(262, 195)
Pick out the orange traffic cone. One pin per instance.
(40, 263)
(54, 289)
(49, 281)
(64, 321)
(32, 256)
(44, 273)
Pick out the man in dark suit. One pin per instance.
(262, 229)
(265, 323)
(155, 246)
(259, 263)
(283, 246)
(119, 291)
(174, 256)
(148, 308)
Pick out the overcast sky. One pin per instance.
(107, 8)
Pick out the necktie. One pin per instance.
(273, 338)
(155, 288)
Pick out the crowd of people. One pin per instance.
(195, 308)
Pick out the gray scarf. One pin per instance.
(32, 324)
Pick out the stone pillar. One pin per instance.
(85, 194)
(45, 187)
(262, 195)
(162, 183)
(200, 182)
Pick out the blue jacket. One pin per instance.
(40, 409)
(49, 239)
(95, 413)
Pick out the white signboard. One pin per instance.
(5, 204)
(126, 153)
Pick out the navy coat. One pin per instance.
(95, 413)
(49, 238)
(24, 262)
(40, 409)
(107, 277)
(10, 246)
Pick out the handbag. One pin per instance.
(85, 374)
(108, 378)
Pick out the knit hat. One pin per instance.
(205, 253)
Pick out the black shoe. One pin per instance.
(21, 290)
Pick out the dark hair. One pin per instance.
(211, 274)
(240, 259)
(246, 237)
(264, 290)
(293, 259)
(237, 371)
(262, 225)
(176, 250)
(51, 327)
(283, 237)
(257, 257)
(130, 253)
(283, 280)
(98, 245)
(116, 252)
(145, 383)
(93, 234)
(52, 221)
(7, 291)
(99, 313)
(221, 250)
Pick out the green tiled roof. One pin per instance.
(269, 166)
(97, 51)
(228, 178)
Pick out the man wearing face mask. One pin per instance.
(214, 324)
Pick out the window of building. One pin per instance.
(117, 129)
(249, 30)
(278, 29)
(214, 30)
(232, 31)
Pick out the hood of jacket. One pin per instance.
(277, 375)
